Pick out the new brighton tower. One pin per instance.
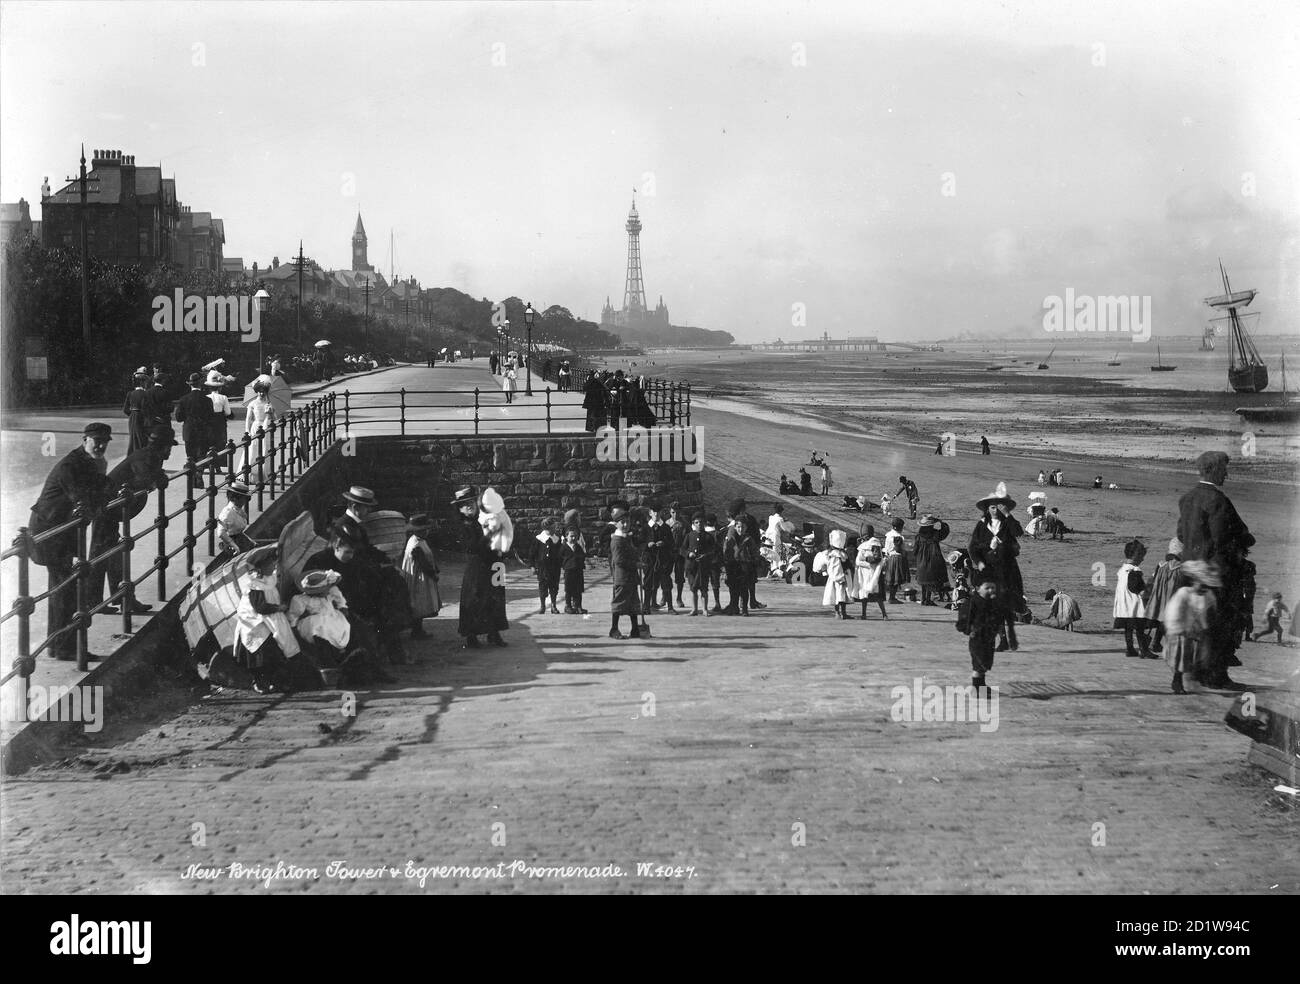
(636, 313)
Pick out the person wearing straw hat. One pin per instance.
(482, 589)
(867, 567)
(139, 472)
(360, 591)
(232, 521)
(221, 408)
(264, 636)
(194, 413)
(994, 546)
(420, 571)
(931, 570)
(318, 614)
(1187, 619)
(139, 410)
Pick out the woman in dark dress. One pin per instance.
(931, 568)
(625, 574)
(994, 546)
(139, 410)
(482, 602)
(596, 403)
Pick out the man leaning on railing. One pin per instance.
(75, 489)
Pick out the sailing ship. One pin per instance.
(1285, 411)
(1207, 338)
(1043, 364)
(1115, 361)
(1246, 370)
(1160, 366)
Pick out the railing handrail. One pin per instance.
(317, 423)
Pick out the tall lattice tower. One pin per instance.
(634, 293)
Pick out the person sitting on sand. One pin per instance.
(805, 483)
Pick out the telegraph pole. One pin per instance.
(84, 183)
(301, 264)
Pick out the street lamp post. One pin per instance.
(529, 315)
(260, 299)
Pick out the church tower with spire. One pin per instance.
(359, 261)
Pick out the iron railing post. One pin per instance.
(25, 608)
(162, 541)
(189, 506)
(261, 465)
(476, 411)
(80, 620)
(347, 412)
(548, 409)
(128, 543)
(403, 411)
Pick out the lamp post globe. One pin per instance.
(261, 299)
(529, 316)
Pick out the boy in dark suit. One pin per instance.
(573, 561)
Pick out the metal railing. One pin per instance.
(670, 403)
(271, 461)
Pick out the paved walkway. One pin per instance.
(754, 754)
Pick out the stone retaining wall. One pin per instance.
(539, 477)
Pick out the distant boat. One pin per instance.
(1286, 411)
(1246, 370)
(1207, 338)
(1115, 361)
(994, 368)
(1043, 364)
(1160, 366)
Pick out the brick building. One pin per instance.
(200, 241)
(132, 213)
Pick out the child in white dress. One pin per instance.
(265, 637)
(232, 521)
(319, 617)
(868, 566)
(836, 592)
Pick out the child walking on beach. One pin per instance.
(1274, 612)
(981, 617)
(868, 566)
(1129, 610)
(836, 592)
(1187, 622)
(896, 572)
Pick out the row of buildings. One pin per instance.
(133, 215)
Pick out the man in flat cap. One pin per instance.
(74, 487)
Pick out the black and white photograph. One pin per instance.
(443, 445)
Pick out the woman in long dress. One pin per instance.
(931, 568)
(482, 594)
(265, 636)
(625, 573)
(596, 402)
(994, 546)
(509, 384)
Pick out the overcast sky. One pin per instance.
(783, 154)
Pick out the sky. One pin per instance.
(911, 171)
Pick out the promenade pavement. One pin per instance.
(32, 442)
(742, 755)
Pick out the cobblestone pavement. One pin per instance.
(758, 754)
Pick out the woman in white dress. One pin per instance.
(232, 521)
(508, 383)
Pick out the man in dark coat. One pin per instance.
(75, 486)
(482, 591)
(161, 396)
(194, 412)
(493, 362)
(1212, 531)
(140, 471)
(140, 411)
(596, 402)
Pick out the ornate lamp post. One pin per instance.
(261, 299)
(529, 316)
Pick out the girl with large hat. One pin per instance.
(931, 568)
(994, 546)
(482, 591)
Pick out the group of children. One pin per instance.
(557, 559)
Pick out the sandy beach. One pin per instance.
(757, 428)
